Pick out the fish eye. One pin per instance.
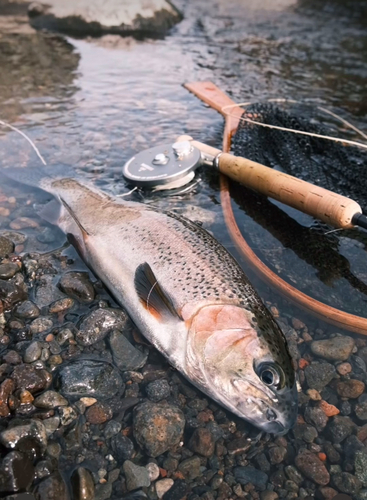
(271, 375)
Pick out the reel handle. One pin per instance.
(334, 209)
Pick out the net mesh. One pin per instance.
(338, 258)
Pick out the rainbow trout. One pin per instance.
(185, 293)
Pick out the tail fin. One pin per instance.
(39, 177)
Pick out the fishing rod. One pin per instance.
(173, 165)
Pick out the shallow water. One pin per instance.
(92, 104)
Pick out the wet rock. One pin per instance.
(67, 415)
(277, 454)
(12, 357)
(82, 484)
(12, 291)
(346, 483)
(153, 471)
(245, 475)
(16, 437)
(293, 474)
(344, 368)
(157, 427)
(162, 486)
(98, 324)
(350, 389)
(6, 247)
(98, 413)
(40, 325)
(52, 488)
(331, 453)
(125, 355)
(158, 390)
(306, 432)
(361, 411)
(23, 223)
(27, 377)
(202, 442)
(360, 465)
(16, 472)
(334, 349)
(8, 270)
(33, 352)
(177, 492)
(122, 448)
(316, 416)
(340, 428)
(111, 429)
(26, 310)
(51, 425)
(46, 292)
(15, 237)
(351, 445)
(153, 18)
(49, 400)
(269, 495)
(318, 375)
(312, 467)
(61, 305)
(136, 476)
(78, 286)
(6, 388)
(190, 468)
(88, 377)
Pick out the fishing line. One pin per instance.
(25, 137)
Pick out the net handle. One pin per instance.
(208, 92)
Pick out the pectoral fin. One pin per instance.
(152, 296)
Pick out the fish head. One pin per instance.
(241, 359)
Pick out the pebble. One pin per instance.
(23, 223)
(307, 433)
(316, 416)
(98, 324)
(329, 410)
(361, 411)
(360, 466)
(162, 486)
(245, 475)
(350, 389)
(111, 429)
(312, 467)
(52, 488)
(88, 377)
(61, 305)
(78, 286)
(27, 377)
(98, 413)
(318, 375)
(157, 427)
(47, 235)
(26, 310)
(49, 400)
(67, 415)
(88, 401)
(346, 483)
(12, 357)
(12, 291)
(314, 395)
(122, 447)
(33, 352)
(136, 476)
(34, 431)
(190, 468)
(6, 247)
(334, 349)
(277, 454)
(82, 484)
(16, 472)
(125, 356)
(25, 397)
(158, 390)
(202, 442)
(177, 492)
(344, 368)
(40, 325)
(339, 428)
(8, 270)
(51, 425)
(153, 471)
(293, 474)
(15, 237)
(269, 495)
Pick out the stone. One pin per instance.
(26, 310)
(360, 466)
(340, 428)
(312, 467)
(40, 325)
(344, 368)
(318, 375)
(158, 390)
(51, 424)
(98, 324)
(277, 454)
(268, 495)
(346, 483)
(12, 291)
(332, 455)
(177, 492)
(150, 18)
(6, 247)
(245, 475)
(27, 377)
(14, 237)
(98, 413)
(350, 389)
(190, 467)
(49, 400)
(162, 486)
(47, 235)
(316, 416)
(122, 448)
(61, 305)
(293, 474)
(33, 352)
(82, 484)
(8, 270)
(125, 356)
(157, 427)
(361, 411)
(12, 357)
(111, 429)
(23, 223)
(17, 437)
(153, 471)
(334, 349)
(16, 472)
(78, 286)
(307, 433)
(136, 476)
(67, 415)
(202, 442)
(88, 377)
(52, 488)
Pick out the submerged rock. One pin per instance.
(136, 476)
(18, 437)
(52, 488)
(311, 466)
(6, 247)
(158, 427)
(98, 324)
(82, 484)
(16, 472)
(335, 349)
(125, 355)
(123, 17)
(78, 286)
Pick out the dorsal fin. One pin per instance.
(152, 296)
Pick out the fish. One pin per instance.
(185, 293)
